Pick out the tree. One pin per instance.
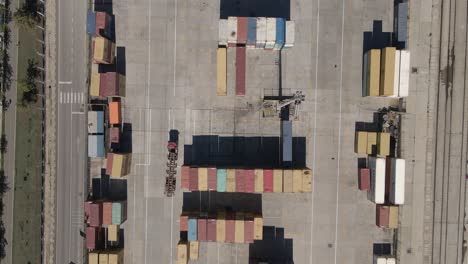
(26, 16)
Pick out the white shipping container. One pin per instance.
(396, 81)
(391, 261)
(261, 32)
(232, 30)
(404, 73)
(397, 181)
(377, 169)
(290, 30)
(270, 33)
(380, 260)
(223, 32)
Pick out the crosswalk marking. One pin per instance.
(71, 98)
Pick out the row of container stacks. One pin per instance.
(106, 257)
(384, 260)
(96, 236)
(99, 213)
(386, 216)
(187, 250)
(256, 32)
(118, 164)
(384, 180)
(225, 227)
(386, 72)
(372, 143)
(108, 84)
(246, 180)
(221, 89)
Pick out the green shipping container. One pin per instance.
(119, 212)
(221, 180)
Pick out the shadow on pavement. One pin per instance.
(256, 8)
(273, 249)
(212, 202)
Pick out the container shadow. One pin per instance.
(374, 126)
(243, 152)
(121, 61)
(103, 6)
(255, 8)
(382, 249)
(273, 249)
(212, 202)
(126, 143)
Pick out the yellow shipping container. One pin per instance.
(103, 258)
(373, 72)
(101, 46)
(297, 181)
(383, 144)
(393, 217)
(121, 165)
(307, 180)
(360, 142)
(231, 180)
(259, 181)
(277, 180)
(371, 141)
(182, 252)
(287, 181)
(239, 234)
(116, 257)
(93, 258)
(258, 227)
(203, 179)
(194, 248)
(387, 71)
(222, 71)
(95, 85)
(112, 232)
(221, 227)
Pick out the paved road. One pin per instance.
(71, 147)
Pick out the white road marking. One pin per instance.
(60, 97)
(65, 82)
(77, 113)
(68, 98)
(82, 98)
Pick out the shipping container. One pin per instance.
(261, 32)
(212, 182)
(391, 261)
(258, 227)
(185, 177)
(95, 214)
(383, 144)
(373, 72)
(377, 182)
(114, 134)
(297, 181)
(119, 212)
(116, 256)
(192, 232)
(102, 24)
(277, 180)
(183, 225)
(193, 180)
(360, 142)
(223, 32)
(232, 27)
(387, 71)
(258, 180)
(404, 73)
(382, 213)
(380, 260)
(401, 21)
(221, 180)
(96, 146)
(103, 258)
(194, 249)
(119, 164)
(288, 181)
(290, 31)
(113, 233)
(201, 228)
(203, 179)
(221, 227)
(393, 217)
(182, 252)
(249, 229)
(280, 33)
(397, 181)
(365, 74)
(103, 50)
(240, 180)
(249, 181)
(95, 122)
(270, 33)
(286, 136)
(112, 84)
(231, 180)
(371, 142)
(91, 237)
(211, 230)
(239, 233)
(87, 209)
(396, 79)
(240, 71)
(221, 89)
(93, 258)
(115, 113)
(230, 227)
(268, 180)
(307, 180)
(251, 32)
(364, 179)
(241, 30)
(107, 213)
(95, 86)
(91, 23)
(109, 163)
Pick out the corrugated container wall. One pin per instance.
(280, 33)
(103, 258)
(221, 227)
(277, 180)
(396, 80)
(249, 181)
(119, 212)
(387, 71)
(182, 252)
(297, 181)
(402, 21)
(230, 227)
(192, 229)
(288, 181)
(268, 180)
(201, 228)
(251, 32)
(373, 72)
(258, 180)
(112, 84)
(404, 73)
(240, 71)
(113, 233)
(211, 230)
(290, 37)
(383, 144)
(249, 229)
(393, 217)
(107, 213)
(397, 181)
(223, 32)
(270, 33)
(95, 122)
(114, 134)
(221, 180)
(382, 213)
(231, 180)
(258, 227)
(364, 179)
(115, 114)
(241, 30)
(91, 237)
(93, 258)
(91, 23)
(193, 183)
(232, 27)
(185, 177)
(183, 225)
(221, 89)
(261, 32)
(239, 233)
(96, 146)
(95, 86)
(286, 136)
(194, 249)
(202, 179)
(116, 257)
(307, 180)
(240, 180)
(360, 142)
(377, 188)
(212, 179)
(371, 142)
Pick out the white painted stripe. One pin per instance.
(82, 98)
(60, 97)
(68, 97)
(65, 82)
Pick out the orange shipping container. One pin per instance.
(258, 227)
(259, 181)
(107, 213)
(221, 227)
(287, 181)
(194, 248)
(115, 114)
(307, 180)
(231, 180)
(203, 179)
(239, 233)
(277, 180)
(297, 181)
(183, 222)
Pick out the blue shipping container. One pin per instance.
(221, 177)
(91, 23)
(402, 22)
(96, 146)
(100, 122)
(192, 229)
(286, 131)
(251, 31)
(280, 33)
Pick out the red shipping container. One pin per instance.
(240, 71)
(184, 177)
(102, 22)
(249, 181)
(110, 84)
(114, 134)
(267, 180)
(110, 158)
(201, 228)
(212, 179)
(230, 227)
(91, 237)
(240, 180)
(364, 179)
(211, 230)
(241, 30)
(193, 179)
(95, 216)
(107, 213)
(183, 223)
(249, 230)
(382, 215)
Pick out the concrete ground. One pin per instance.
(170, 49)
